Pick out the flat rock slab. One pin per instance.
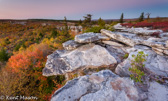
(118, 37)
(90, 37)
(87, 56)
(70, 45)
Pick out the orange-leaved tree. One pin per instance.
(29, 64)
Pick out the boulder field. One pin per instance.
(107, 50)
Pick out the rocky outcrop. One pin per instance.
(87, 56)
(94, 50)
(109, 49)
(107, 86)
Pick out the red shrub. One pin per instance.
(154, 25)
(143, 24)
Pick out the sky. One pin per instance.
(76, 9)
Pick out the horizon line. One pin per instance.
(73, 19)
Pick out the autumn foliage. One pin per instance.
(26, 68)
(27, 59)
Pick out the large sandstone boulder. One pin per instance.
(87, 56)
(90, 37)
(101, 86)
(156, 64)
(107, 86)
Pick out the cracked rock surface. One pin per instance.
(101, 86)
(107, 86)
(91, 55)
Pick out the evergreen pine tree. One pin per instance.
(101, 22)
(141, 18)
(66, 27)
(121, 18)
(88, 20)
(3, 55)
